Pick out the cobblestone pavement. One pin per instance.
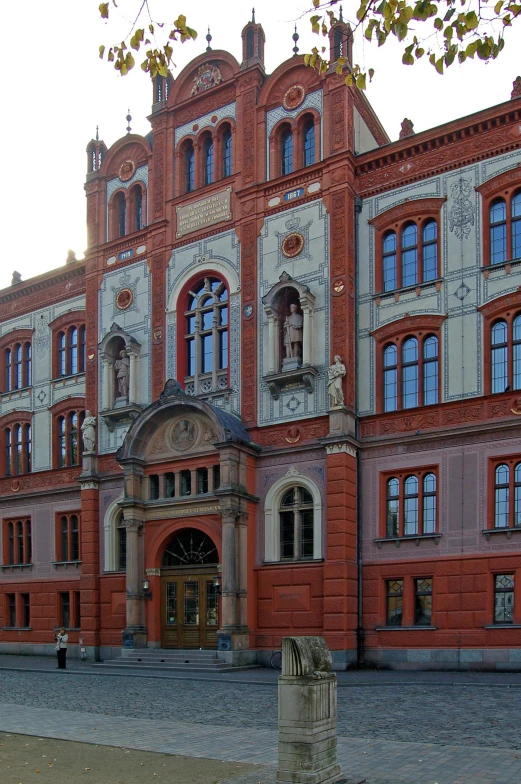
(440, 714)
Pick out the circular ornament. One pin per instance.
(183, 434)
(124, 299)
(339, 286)
(293, 97)
(195, 127)
(91, 355)
(126, 170)
(293, 435)
(292, 245)
(516, 406)
(248, 311)
(15, 485)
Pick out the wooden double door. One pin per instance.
(189, 610)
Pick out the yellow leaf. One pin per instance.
(101, 52)
(104, 10)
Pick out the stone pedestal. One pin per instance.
(307, 714)
(341, 422)
(307, 730)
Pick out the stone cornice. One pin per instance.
(43, 282)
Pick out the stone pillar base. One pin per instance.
(341, 422)
(233, 639)
(307, 730)
(135, 637)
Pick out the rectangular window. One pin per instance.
(202, 480)
(287, 535)
(26, 609)
(170, 484)
(17, 535)
(68, 537)
(154, 487)
(122, 548)
(65, 609)
(11, 609)
(391, 389)
(306, 533)
(394, 602)
(77, 609)
(186, 483)
(423, 601)
(216, 477)
(503, 598)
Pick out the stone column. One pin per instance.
(273, 343)
(242, 537)
(229, 578)
(133, 394)
(90, 570)
(307, 329)
(177, 484)
(107, 384)
(135, 633)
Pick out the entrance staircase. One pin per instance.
(169, 659)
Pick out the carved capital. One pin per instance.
(336, 449)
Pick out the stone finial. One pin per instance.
(407, 129)
(71, 256)
(516, 88)
(17, 278)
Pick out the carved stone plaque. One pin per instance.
(203, 213)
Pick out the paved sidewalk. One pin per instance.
(379, 762)
(269, 676)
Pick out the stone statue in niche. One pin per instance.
(335, 374)
(122, 368)
(293, 327)
(88, 431)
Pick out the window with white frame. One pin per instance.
(293, 521)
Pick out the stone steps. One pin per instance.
(171, 660)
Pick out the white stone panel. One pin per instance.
(364, 139)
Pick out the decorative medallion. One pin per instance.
(126, 170)
(91, 355)
(124, 299)
(339, 286)
(293, 435)
(516, 406)
(293, 97)
(292, 245)
(158, 334)
(207, 76)
(15, 485)
(183, 434)
(248, 311)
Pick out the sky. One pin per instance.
(55, 93)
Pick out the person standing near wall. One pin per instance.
(62, 638)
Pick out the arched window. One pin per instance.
(62, 363)
(71, 349)
(138, 209)
(517, 495)
(338, 43)
(8, 365)
(516, 225)
(430, 250)
(206, 336)
(121, 544)
(286, 158)
(69, 537)
(28, 364)
(17, 380)
(410, 368)
(410, 506)
(430, 370)
(501, 496)
(410, 255)
(67, 444)
(296, 524)
(499, 356)
(393, 507)
(17, 366)
(410, 373)
(120, 208)
(250, 43)
(226, 142)
(17, 449)
(390, 378)
(308, 140)
(208, 160)
(189, 164)
(389, 261)
(498, 231)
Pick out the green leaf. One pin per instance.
(101, 52)
(104, 10)
(360, 81)
(438, 23)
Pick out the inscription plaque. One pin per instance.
(203, 213)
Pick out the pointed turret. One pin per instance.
(253, 40)
(96, 149)
(341, 41)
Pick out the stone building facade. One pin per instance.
(281, 393)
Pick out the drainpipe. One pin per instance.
(360, 622)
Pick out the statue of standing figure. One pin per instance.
(335, 374)
(122, 368)
(88, 431)
(293, 333)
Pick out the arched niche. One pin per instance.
(119, 353)
(290, 307)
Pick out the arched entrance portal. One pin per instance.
(189, 598)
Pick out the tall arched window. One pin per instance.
(73, 438)
(68, 428)
(410, 373)
(120, 207)
(17, 380)
(499, 356)
(206, 336)
(61, 442)
(28, 364)
(393, 507)
(62, 361)
(429, 503)
(308, 140)
(71, 349)
(189, 164)
(138, 209)
(8, 365)
(430, 370)
(389, 261)
(227, 151)
(296, 524)
(286, 159)
(501, 496)
(17, 366)
(410, 506)
(8, 453)
(208, 160)
(517, 495)
(390, 378)
(17, 449)
(516, 225)
(498, 231)
(338, 43)
(430, 250)
(410, 255)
